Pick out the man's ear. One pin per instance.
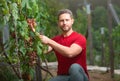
(72, 21)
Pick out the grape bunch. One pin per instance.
(32, 24)
(32, 58)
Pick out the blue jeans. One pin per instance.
(76, 73)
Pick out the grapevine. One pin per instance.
(23, 46)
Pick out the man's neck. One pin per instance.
(65, 34)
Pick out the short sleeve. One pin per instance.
(81, 41)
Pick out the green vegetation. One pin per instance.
(22, 42)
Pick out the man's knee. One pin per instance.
(74, 68)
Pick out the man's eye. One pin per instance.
(67, 19)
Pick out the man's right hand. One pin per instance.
(32, 24)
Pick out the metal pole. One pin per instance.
(114, 14)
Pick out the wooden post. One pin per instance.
(90, 34)
(110, 41)
(38, 71)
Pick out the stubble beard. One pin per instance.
(66, 30)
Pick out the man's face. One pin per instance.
(65, 22)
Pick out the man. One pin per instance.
(70, 50)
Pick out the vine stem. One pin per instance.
(45, 70)
(10, 63)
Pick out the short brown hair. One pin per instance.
(62, 11)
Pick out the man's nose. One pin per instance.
(64, 22)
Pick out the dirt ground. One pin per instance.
(94, 76)
(100, 76)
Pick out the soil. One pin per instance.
(94, 75)
(100, 76)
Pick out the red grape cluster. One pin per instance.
(32, 58)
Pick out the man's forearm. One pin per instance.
(64, 50)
